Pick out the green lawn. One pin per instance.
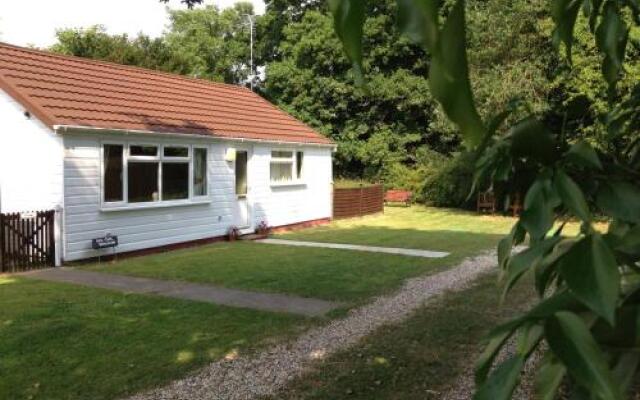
(414, 227)
(341, 275)
(420, 358)
(61, 341)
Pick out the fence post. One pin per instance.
(58, 239)
(3, 258)
(360, 200)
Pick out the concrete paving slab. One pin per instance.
(188, 291)
(373, 249)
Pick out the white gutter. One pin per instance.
(64, 129)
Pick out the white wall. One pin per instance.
(291, 204)
(140, 229)
(31, 158)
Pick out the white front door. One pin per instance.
(243, 204)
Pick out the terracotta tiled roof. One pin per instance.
(62, 90)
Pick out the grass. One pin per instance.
(340, 275)
(414, 227)
(418, 359)
(61, 341)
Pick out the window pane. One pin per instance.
(113, 186)
(200, 172)
(176, 152)
(282, 154)
(149, 151)
(281, 172)
(175, 181)
(143, 182)
(299, 161)
(241, 173)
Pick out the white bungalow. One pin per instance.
(152, 158)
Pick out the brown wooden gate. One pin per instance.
(27, 241)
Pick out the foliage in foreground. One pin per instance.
(589, 287)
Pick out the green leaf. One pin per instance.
(539, 204)
(418, 20)
(620, 200)
(449, 78)
(503, 380)
(516, 236)
(561, 301)
(581, 153)
(572, 196)
(546, 269)
(527, 259)
(611, 38)
(530, 138)
(485, 361)
(626, 369)
(594, 11)
(570, 340)
(549, 378)
(348, 20)
(564, 14)
(591, 273)
(629, 243)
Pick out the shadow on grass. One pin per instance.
(62, 341)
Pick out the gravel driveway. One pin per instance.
(265, 373)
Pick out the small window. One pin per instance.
(299, 162)
(113, 186)
(281, 166)
(199, 172)
(143, 151)
(143, 182)
(241, 173)
(182, 152)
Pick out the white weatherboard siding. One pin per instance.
(151, 227)
(31, 158)
(297, 203)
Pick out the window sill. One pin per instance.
(158, 204)
(287, 184)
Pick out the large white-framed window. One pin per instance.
(146, 174)
(286, 167)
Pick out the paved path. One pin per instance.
(188, 291)
(264, 374)
(373, 249)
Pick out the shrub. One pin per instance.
(449, 184)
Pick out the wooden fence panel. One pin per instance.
(27, 241)
(355, 202)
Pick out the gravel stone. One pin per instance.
(267, 372)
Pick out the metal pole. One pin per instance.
(250, 18)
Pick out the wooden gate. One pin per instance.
(27, 241)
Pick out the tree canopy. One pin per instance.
(205, 42)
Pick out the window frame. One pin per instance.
(293, 160)
(159, 159)
(192, 172)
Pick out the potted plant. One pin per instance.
(233, 233)
(263, 230)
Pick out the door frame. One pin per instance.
(250, 227)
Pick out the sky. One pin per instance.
(34, 22)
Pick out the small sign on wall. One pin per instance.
(106, 242)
